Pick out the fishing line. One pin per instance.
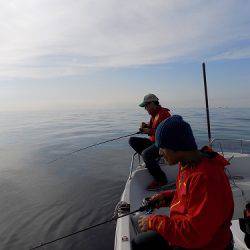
(141, 209)
(92, 145)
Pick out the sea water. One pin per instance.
(40, 202)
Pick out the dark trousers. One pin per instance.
(150, 155)
(149, 240)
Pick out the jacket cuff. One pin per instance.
(151, 131)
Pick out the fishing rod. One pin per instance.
(141, 209)
(92, 145)
(207, 107)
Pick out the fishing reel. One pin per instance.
(148, 205)
(121, 208)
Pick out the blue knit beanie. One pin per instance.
(176, 134)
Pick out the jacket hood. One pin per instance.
(220, 160)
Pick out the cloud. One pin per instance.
(46, 38)
(239, 53)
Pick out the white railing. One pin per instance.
(240, 142)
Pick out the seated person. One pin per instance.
(201, 207)
(145, 146)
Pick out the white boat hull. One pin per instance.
(135, 191)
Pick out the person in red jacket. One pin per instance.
(201, 207)
(145, 146)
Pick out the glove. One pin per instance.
(162, 199)
(143, 127)
(143, 223)
(153, 202)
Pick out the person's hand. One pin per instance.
(143, 223)
(158, 200)
(145, 130)
(155, 201)
(144, 125)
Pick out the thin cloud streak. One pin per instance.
(45, 39)
(233, 54)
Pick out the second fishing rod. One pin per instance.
(93, 145)
(147, 206)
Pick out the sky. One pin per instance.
(59, 54)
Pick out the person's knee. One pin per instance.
(134, 244)
(149, 240)
(139, 242)
(146, 154)
(131, 141)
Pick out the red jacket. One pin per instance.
(162, 114)
(201, 209)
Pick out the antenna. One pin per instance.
(207, 107)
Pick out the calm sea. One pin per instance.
(40, 201)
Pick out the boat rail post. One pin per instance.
(132, 165)
(221, 149)
(207, 107)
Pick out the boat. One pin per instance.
(135, 191)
